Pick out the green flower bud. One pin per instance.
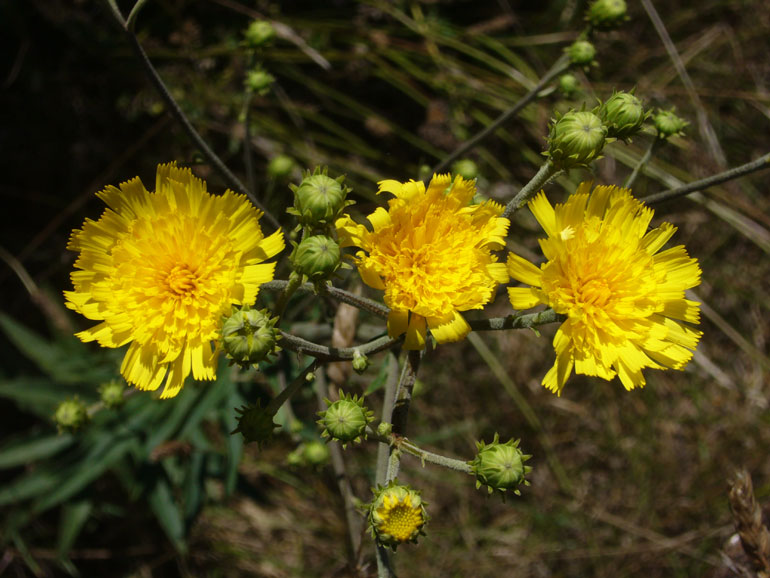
(258, 33)
(576, 139)
(669, 124)
(280, 166)
(384, 429)
(319, 199)
(568, 84)
(466, 168)
(255, 423)
(111, 394)
(360, 362)
(500, 466)
(259, 81)
(581, 53)
(316, 257)
(71, 415)
(313, 453)
(396, 515)
(607, 14)
(345, 420)
(623, 115)
(249, 336)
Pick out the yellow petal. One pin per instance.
(451, 331)
(524, 271)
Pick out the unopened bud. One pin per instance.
(607, 14)
(668, 124)
(345, 420)
(258, 33)
(500, 466)
(255, 423)
(576, 139)
(623, 115)
(111, 394)
(249, 336)
(280, 166)
(581, 53)
(71, 415)
(319, 199)
(317, 257)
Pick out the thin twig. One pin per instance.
(324, 353)
(761, 163)
(558, 67)
(543, 175)
(642, 162)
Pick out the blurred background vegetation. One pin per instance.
(624, 484)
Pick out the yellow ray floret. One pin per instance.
(624, 300)
(160, 269)
(431, 252)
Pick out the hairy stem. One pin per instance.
(642, 162)
(760, 164)
(546, 173)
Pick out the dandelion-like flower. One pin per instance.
(160, 270)
(431, 252)
(624, 298)
(396, 514)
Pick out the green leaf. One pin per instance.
(193, 487)
(29, 449)
(234, 443)
(39, 395)
(71, 521)
(214, 394)
(30, 485)
(378, 381)
(77, 477)
(167, 513)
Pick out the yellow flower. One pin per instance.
(396, 515)
(159, 270)
(431, 253)
(624, 300)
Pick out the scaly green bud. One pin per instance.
(500, 466)
(576, 139)
(607, 14)
(111, 394)
(623, 115)
(319, 199)
(249, 336)
(345, 420)
(280, 166)
(669, 124)
(466, 168)
(568, 84)
(581, 53)
(396, 514)
(258, 33)
(71, 415)
(255, 423)
(317, 257)
(259, 81)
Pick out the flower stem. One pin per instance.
(294, 283)
(324, 353)
(761, 163)
(369, 305)
(276, 403)
(642, 162)
(408, 447)
(545, 174)
(558, 67)
(177, 112)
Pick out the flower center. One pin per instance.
(181, 280)
(401, 521)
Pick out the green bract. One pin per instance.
(623, 115)
(319, 199)
(316, 257)
(500, 466)
(255, 423)
(581, 53)
(345, 420)
(607, 14)
(111, 394)
(576, 139)
(258, 33)
(71, 415)
(249, 336)
(668, 124)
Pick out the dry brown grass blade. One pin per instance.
(747, 516)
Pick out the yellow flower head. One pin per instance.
(396, 515)
(624, 300)
(159, 270)
(431, 253)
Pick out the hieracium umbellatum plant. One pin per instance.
(375, 291)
